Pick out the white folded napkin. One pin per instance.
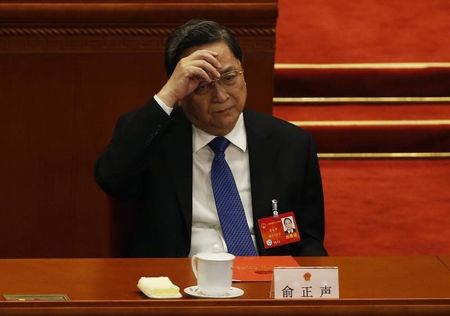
(158, 287)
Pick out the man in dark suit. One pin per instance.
(160, 158)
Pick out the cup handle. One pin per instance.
(194, 261)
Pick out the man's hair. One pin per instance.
(194, 33)
(287, 219)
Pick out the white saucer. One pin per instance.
(233, 292)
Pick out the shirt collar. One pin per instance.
(237, 136)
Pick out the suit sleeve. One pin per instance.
(119, 170)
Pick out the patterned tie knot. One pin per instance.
(219, 145)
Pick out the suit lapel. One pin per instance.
(178, 150)
(262, 157)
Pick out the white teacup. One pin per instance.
(214, 272)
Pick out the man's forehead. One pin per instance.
(225, 55)
(227, 59)
(228, 67)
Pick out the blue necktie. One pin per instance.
(229, 205)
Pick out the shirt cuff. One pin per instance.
(163, 106)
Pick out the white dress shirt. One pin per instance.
(207, 235)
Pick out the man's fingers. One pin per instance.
(199, 74)
(208, 55)
(201, 65)
(207, 67)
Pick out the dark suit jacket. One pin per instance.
(148, 165)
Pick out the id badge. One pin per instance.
(279, 230)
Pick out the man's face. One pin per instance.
(217, 111)
(288, 224)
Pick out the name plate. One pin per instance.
(306, 283)
(36, 297)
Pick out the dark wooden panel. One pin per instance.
(67, 73)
